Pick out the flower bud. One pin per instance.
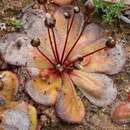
(67, 15)
(110, 43)
(35, 42)
(50, 21)
(76, 9)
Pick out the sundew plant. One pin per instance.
(61, 50)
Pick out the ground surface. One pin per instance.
(96, 118)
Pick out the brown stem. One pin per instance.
(67, 36)
(87, 55)
(56, 50)
(84, 25)
(53, 51)
(52, 45)
(94, 52)
(45, 55)
(73, 46)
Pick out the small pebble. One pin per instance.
(3, 26)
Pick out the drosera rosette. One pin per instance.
(63, 50)
(18, 116)
(121, 112)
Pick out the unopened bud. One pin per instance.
(67, 15)
(35, 42)
(76, 9)
(110, 43)
(50, 21)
